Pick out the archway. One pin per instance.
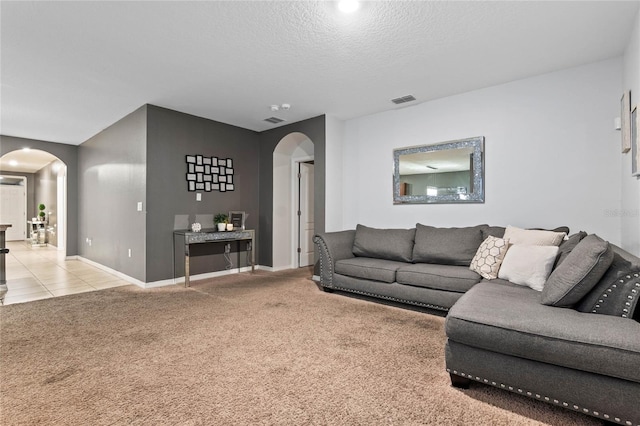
(292, 150)
(43, 178)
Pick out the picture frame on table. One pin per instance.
(237, 219)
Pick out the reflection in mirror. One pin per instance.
(449, 172)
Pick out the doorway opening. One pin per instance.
(33, 178)
(292, 201)
(305, 223)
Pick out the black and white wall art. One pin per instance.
(209, 173)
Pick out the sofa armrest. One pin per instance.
(333, 246)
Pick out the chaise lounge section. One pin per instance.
(574, 343)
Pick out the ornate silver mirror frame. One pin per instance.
(439, 161)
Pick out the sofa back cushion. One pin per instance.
(578, 273)
(390, 244)
(447, 246)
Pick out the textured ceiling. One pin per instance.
(70, 69)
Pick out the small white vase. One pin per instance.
(222, 227)
(229, 226)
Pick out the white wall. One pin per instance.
(630, 211)
(333, 174)
(552, 154)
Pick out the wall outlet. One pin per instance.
(198, 196)
(129, 252)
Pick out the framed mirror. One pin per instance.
(448, 172)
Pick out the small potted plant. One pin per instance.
(221, 221)
(41, 215)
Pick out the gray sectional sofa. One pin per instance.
(576, 347)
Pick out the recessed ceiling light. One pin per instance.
(13, 163)
(26, 149)
(348, 6)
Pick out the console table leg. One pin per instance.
(253, 256)
(186, 267)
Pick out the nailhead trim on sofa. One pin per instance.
(543, 398)
(321, 243)
(394, 299)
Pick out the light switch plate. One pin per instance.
(139, 206)
(198, 196)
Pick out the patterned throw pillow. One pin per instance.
(489, 256)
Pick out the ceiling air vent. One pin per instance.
(403, 99)
(274, 120)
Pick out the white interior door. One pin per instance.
(306, 224)
(13, 211)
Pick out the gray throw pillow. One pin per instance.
(621, 297)
(447, 246)
(390, 244)
(578, 273)
(568, 245)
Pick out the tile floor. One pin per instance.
(35, 273)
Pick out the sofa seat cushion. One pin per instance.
(502, 317)
(369, 268)
(439, 277)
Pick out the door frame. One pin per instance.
(26, 190)
(295, 203)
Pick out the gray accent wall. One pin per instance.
(314, 129)
(171, 136)
(46, 192)
(68, 154)
(112, 167)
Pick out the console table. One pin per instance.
(211, 236)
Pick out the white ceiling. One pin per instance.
(70, 69)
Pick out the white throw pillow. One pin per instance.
(533, 237)
(489, 256)
(528, 265)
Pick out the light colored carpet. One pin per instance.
(261, 349)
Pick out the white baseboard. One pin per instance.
(180, 280)
(118, 274)
(163, 283)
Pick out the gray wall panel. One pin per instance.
(46, 192)
(315, 130)
(171, 136)
(68, 154)
(112, 168)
